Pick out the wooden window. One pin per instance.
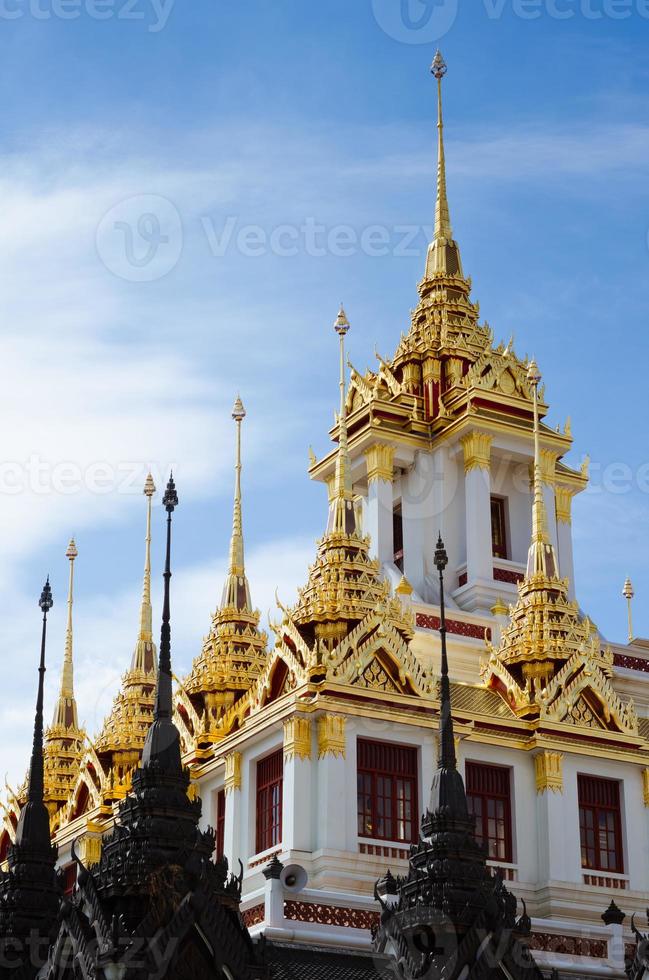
(387, 791)
(499, 527)
(397, 531)
(220, 824)
(600, 824)
(489, 798)
(270, 779)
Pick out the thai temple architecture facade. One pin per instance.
(310, 755)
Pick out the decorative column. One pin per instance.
(553, 858)
(477, 489)
(548, 477)
(332, 752)
(563, 505)
(417, 510)
(297, 795)
(380, 500)
(645, 786)
(232, 828)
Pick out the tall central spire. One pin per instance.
(144, 653)
(541, 558)
(342, 518)
(443, 257)
(162, 746)
(65, 712)
(236, 591)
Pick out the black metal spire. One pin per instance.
(163, 740)
(34, 823)
(447, 792)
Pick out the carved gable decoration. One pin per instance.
(375, 677)
(499, 370)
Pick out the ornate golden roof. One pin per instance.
(345, 606)
(550, 663)
(234, 652)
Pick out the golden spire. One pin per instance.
(443, 253)
(65, 712)
(144, 653)
(628, 594)
(236, 592)
(342, 518)
(541, 558)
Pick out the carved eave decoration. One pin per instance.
(546, 634)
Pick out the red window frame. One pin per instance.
(600, 824)
(387, 791)
(270, 791)
(70, 879)
(488, 791)
(219, 847)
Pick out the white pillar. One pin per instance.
(555, 863)
(563, 497)
(297, 795)
(233, 813)
(380, 501)
(417, 513)
(332, 795)
(477, 491)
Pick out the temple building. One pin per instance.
(437, 766)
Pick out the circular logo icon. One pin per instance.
(140, 239)
(415, 21)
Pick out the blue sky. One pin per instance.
(253, 129)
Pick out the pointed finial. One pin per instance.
(439, 66)
(34, 824)
(144, 654)
(341, 512)
(170, 499)
(541, 558)
(236, 592)
(149, 486)
(65, 711)
(341, 324)
(628, 594)
(238, 411)
(162, 746)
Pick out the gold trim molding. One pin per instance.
(297, 738)
(548, 465)
(477, 451)
(549, 771)
(563, 504)
(331, 736)
(645, 786)
(380, 462)
(232, 772)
